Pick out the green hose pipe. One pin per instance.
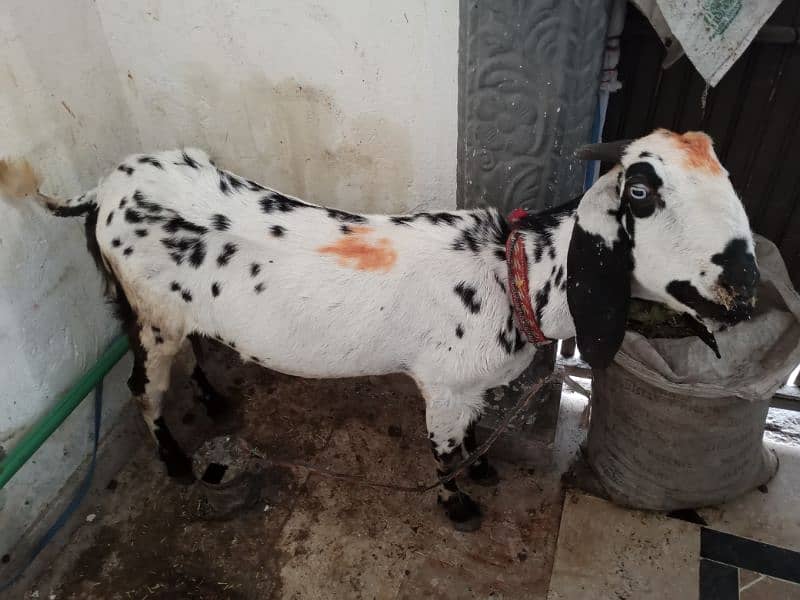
(42, 430)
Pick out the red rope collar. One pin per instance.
(518, 285)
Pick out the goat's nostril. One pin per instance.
(740, 282)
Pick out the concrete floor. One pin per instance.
(311, 536)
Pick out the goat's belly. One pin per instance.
(300, 339)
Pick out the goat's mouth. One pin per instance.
(726, 309)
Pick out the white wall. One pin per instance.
(59, 106)
(350, 103)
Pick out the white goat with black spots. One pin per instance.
(192, 250)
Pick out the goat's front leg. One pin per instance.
(448, 416)
(154, 352)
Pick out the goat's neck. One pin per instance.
(547, 239)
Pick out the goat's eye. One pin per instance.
(638, 191)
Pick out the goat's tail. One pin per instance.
(19, 180)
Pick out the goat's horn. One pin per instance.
(605, 151)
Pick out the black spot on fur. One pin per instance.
(220, 222)
(138, 380)
(432, 218)
(487, 230)
(186, 295)
(559, 275)
(402, 220)
(159, 339)
(228, 250)
(133, 216)
(259, 288)
(276, 201)
(468, 297)
(179, 223)
(198, 254)
(459, 331)
(215, 289)
(123, 202)
(193, 248)
(175, 286)
(126, 169)
(345, 229)
(255, 269)
(685, 292)
(544, 224)
(109, 218)
(141, 201)
(253, 186)
(441, 218)
(500, 254)
(189, 161)
(277, 230)
(345, 217)
(499, 282)
(128, 251)
(72, 211)
(223, 183)
(235, 182)
(116, 243)
(155, 329)
(149, 160)
(141, 232)
(541, 299)
(739, 271)
(510, 338)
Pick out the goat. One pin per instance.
(193, 250)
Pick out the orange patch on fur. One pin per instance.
(356, 251)
(699, 151)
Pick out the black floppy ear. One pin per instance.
(599, 291)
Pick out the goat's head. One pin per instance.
(665, 225)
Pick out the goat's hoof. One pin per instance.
(179, 470)
(484, 474)
(464, 513)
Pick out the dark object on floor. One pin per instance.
(229, 479)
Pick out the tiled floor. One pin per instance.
(605, 551)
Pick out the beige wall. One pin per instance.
(349, 103)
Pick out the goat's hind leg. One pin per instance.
(216, 405)
(153, 354)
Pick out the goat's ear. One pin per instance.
(599, 269)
